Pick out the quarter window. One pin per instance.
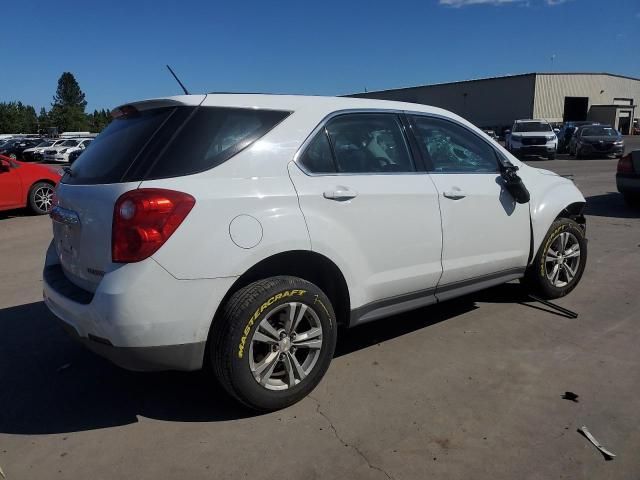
(369, 143)
(453, 148)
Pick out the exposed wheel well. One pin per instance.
(575, 211)
(311, 266)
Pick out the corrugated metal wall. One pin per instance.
(551, 89)
(489, 102)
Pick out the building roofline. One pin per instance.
(498, 77)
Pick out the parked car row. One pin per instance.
(579, 139)
(29, 149)
(13, 147)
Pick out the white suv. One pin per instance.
(532, 137)
(239, 231)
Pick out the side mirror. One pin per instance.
(513, 184)
(507, 131)
(556, 130)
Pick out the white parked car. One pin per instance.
(532, 137)
(37, 153)
(238, 231)
(52, 152)
(62, 156)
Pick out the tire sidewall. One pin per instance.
(253, 393)
(556, 229)
(32, 201)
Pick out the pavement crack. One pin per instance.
(343, 442)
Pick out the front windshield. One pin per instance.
(69, 143)
(532, 127)
(599, 132)
(45, 144)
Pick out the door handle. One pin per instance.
(340, 194)
(454, 194)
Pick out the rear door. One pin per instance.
(485, 232)
(367, 206)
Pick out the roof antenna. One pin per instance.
(178, 80)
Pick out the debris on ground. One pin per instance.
(571, 396)
(2, 473)
(607, 454)
(63, 367)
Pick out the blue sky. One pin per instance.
(118, 50)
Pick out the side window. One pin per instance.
(369, 143)
(317, 158)
(453, 148)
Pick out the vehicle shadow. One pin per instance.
(50, 384)
(610, 205)
(18, 213)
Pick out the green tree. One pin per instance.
(17, 118)
(43, 119)
(67, 109)
(98, 120)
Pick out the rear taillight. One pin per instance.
(144, 219)
(625, 165)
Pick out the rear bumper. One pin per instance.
(143, 359)
(628, 183)
(140, 317)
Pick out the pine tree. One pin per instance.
(67, 109)
(43, 120)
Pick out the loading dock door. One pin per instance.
(575, 109)
(624, 122)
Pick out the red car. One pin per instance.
(24, 184)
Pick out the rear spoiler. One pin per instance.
(177, 101)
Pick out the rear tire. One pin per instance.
(41, 198)
(560, 261)
(259, 356)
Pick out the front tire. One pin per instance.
(560, 261)
(273, 342)
(41, 198)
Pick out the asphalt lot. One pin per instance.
(470, 388)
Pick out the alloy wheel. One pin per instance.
(43, 198)
(562, 259)
(286, 346)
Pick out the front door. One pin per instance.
(485, 232)
(10, 187)
(368, 208)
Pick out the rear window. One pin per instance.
(170, 142)
(116, 148)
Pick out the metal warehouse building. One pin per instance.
(556, 97)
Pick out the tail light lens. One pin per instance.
(625, 165)
(144, 219)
